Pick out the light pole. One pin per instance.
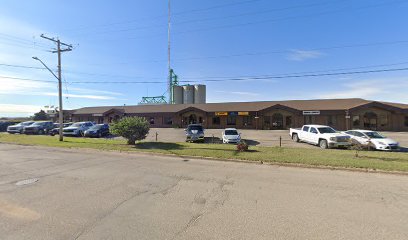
(60, 112)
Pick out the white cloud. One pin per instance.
(391, 89)
(70, 95)
(301, 55)
(249, 94)
(19, 108)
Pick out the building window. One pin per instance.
(370, 121)
(216, 120)
(267, 120)
(277, 121)
(231, 120)
(247, 120)
(308, 119)
(151, 120)
(331, 120)
(356, 121)
(200, 119)
(406, 121)
(168, 120)
(383, 120)
(288, 121)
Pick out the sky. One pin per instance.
(243, 50)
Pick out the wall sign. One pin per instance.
(221, 113)
(233, 113)
(311, 112)
(243, 113)
(97, 115)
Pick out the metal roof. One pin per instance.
(301, 105)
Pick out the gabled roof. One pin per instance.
(301, 105)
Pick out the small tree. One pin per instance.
(41, 115)
(132, 128)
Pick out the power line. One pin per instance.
(304, 72)
(256, 12)
(304, 75)
(163, 15)
(28, 79)
(252, 78)
(20, 66)
(249, 23)
(285, 18)
(260, 77)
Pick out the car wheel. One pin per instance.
(295, 137)
(99, 135)
(323, 144)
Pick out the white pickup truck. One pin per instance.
(323, 136)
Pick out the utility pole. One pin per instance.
(169, 54)
(59, 51)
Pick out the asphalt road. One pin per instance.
(84, 194)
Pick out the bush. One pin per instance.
(132, 128)
(358, 147)
(242, 146)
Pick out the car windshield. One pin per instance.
(96, 127)
(374, 135)
(38, 123)
(231, 132)
(76, 125)
(25, 123)
(198, 128)
(326, 130)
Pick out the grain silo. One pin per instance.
(188, 94)
(177, 95)
(199, 94)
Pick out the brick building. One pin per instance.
(341, 114)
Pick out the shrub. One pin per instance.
(242, 146)
(358, 147)
(132, 128)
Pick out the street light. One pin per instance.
(61, 116)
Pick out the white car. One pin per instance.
(231, 135)
(323, 136)
(373, 139)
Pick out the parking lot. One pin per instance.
(253, 137)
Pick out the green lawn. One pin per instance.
(388, 161)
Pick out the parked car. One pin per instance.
(231, 135)
(323, 136)
(5, 124)
(99, 130)
(40, 128)
(77, 129)
(373, 140)
(55, 129)
(194, 133)
(18, 128)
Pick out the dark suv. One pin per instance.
(194, 133)
(39, 128)
(55, 129)
(99, 130)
